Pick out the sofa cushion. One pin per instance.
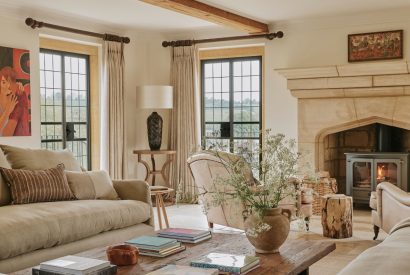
(28, 227)
(90, 185)
(28, 186)
(39, 159)
(5, 197)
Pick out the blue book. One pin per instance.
(237, 264)
(152, 243)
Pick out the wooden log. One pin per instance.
(337, 212)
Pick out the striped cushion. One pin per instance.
(28, 186)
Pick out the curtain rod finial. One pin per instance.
(33, 23)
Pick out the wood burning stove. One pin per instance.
(364, 171)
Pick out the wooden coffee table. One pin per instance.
(295, 256)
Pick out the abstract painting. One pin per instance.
(15, 103)
(375, 46)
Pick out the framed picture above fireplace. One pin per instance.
(375, 46)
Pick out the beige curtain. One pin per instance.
(183, 130)
(114, 110)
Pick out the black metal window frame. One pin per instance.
(64, 54)
(231, 100)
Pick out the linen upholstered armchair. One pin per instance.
(206, 168)
(390, 205)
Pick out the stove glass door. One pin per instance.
(388, 170)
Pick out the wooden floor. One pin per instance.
(191, 216)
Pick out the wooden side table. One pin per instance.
(159, 202)
(152, 172)
(337, 215)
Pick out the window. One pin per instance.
(64, 89)
(231, 103)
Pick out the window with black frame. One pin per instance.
(64, 89)
(231, 103)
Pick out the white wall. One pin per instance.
(313, 42)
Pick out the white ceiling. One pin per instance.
(139, 15)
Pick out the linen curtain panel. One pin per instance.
(183, 130)
(113, 113)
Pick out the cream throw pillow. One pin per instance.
(5, 197)
(90, 185)
(39, 159)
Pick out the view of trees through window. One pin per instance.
(64, 90)
(231, 103)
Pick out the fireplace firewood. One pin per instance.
(337, 211)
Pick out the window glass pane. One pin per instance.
(57, 79)
(225, 99)
(246, 99)
(67, 64)
(49, 79)
(225, 114)
(255, 67)
(74, 65)
(225, 84)
(209, 114)
(48, 62)
(81, 65)
(255, 83)
(246, 83)
(217, 70)
(74, 81)
(237, 84)
(208, 70)
(209, 100)
(246, 68)
(255, 99)
(208, 85)
(82, 82)
(217, 85)
(225, 69)
(56, 63)
(237, 68)
(217, 100)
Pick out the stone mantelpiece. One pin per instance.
(337, 98)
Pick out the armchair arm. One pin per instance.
(395, 192)
(134, 190)
(393, 205)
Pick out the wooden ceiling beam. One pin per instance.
(212, 14)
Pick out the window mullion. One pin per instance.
(63, 103)
(231, 105)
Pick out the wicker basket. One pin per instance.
(321, 187)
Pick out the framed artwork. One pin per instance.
(375, 46)
(15, 103)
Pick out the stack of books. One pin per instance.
(228, 263)
(185, 235)
(156, 246)
(76, 266)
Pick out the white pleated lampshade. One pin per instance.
(154, 97)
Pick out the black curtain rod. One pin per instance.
(105, 36)
(180, 43)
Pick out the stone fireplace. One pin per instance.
(340, 106)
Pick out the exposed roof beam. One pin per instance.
(212, 14)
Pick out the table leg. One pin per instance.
(153, 169)
(158, 204)
(305, 272)
(164, 168)
(146, 167)
(164, 212)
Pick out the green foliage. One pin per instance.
(277, 167)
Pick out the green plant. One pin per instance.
(277, 167)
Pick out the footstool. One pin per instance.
(337, 214)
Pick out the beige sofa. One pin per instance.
(32, 233)
(391, 213)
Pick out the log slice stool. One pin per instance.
(337, 214)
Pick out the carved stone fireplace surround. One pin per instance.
(337, 98)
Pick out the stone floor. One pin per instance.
(191, 216)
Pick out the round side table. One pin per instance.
(152, 172)
(159, 201)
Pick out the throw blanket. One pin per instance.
(404, 223)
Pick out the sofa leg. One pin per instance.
(307, 221)
(210, 224)
(376, 230)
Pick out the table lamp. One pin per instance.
(154, 97)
